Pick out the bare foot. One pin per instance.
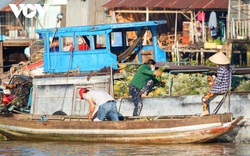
(205, 113)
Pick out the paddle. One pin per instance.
(220, 103)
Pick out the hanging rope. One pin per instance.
(37, 56)
(131, 48)
(61, 112)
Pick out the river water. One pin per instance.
(19, 148)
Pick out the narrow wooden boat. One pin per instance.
(163, 129)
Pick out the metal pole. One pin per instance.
(175, 39)
(59, 18)
(229, 92)
(111, 88)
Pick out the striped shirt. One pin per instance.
(222, 81)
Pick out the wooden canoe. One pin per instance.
(163, 129)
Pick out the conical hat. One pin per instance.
(219, 58)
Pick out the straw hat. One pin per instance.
(219, 58)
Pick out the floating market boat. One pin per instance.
(96, 48)
(162, 129)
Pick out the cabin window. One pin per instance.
(100, 41)
(54, 44)
(83, 43)
(67, 43)
(148, 37)
(131, 37)
(116, 39)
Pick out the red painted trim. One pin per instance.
(34, 65)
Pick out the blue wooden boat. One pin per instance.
(91, 48)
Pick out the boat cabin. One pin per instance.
(91, 48)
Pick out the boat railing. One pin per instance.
(239, 29)
(225, 117)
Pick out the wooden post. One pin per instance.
(173, 56)
(202, 57)
(1, 56)
(197, 58)
(247, 46)
(248, 58)
(230, 51)
(146, 33)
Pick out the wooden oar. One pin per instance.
(220, 103)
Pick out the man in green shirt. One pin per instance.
(141, 83)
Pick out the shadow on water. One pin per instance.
(232, 135)
(103, 149)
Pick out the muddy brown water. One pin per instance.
(19, 148)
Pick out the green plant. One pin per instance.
(183, 84)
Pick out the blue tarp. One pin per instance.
(2, 37)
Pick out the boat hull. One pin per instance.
(167, 131)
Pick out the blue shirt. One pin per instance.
(54, 49)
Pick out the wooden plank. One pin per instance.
(18, 42)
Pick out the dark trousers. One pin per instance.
(136, 96)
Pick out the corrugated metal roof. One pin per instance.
(170, 4)
(154, 2)
(139, 3)
(167, 3)
(202, 4)
(181, 5)
(112, 3)
(218, 4)
(127, 3)
(4, 5)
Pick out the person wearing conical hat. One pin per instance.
(221, 81)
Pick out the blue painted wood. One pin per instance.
(94, 58)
